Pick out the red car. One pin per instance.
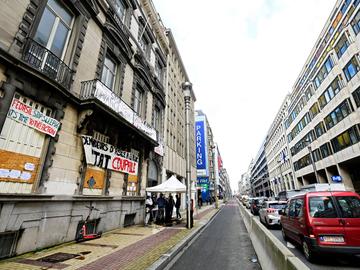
(323, 222)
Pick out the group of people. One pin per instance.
(164, 206)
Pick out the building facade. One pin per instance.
(259, 175)
(323, 117)
(277, 153)
(83, 90)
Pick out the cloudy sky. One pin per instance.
(243, 57)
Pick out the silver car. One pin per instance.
(269, 212)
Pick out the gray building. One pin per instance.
(322, 126)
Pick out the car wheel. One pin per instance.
(284, 235)
(309, 255)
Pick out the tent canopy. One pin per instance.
(170, 185)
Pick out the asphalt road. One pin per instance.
(224, 244)
(324, 262)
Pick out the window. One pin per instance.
(341, 46)
(314, 110)
(109, 72)
(292, 208)
(157, 118)
(308, 93)
(325, 150)
(320, 129)
(345, 139)
(356, 95)
(349, 206)
(338, 114)
(329, 93)
(54, 28)
(299, 203)
(316, 155)
(159, 70)
(120, 9)
(323, 72)
(351, 68)
(322, 207)
(139, 102)
(355, 23)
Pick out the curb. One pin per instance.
(271, 252)
(166, 258)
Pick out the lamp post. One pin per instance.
(187, 87)
(213, 147)
(312, 160)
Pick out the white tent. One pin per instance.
(170, 185)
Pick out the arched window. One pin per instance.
(152, 174)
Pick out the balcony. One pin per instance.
(95, 89)
(47, 63)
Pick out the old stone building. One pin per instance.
(82, 100)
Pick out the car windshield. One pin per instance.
(277, 205)
(349, 206)
(322, 207)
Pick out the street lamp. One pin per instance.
(213, 147)
(312, 159)
(187, 87)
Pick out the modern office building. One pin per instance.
(324, 111)
(277, 153)
(259, 175)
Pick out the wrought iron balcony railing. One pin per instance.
(47, 63)
(95, 89)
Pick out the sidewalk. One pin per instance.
(135, 247)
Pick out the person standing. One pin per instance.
(161, 208)
(171, 205)
(177, 206)
(148, 209)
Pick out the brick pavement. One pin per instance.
(131, 248)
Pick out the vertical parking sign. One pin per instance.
(201, 147)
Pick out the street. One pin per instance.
(325, 262)
(224, 244)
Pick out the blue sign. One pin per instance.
(336, 178)
(203, 183)
(201, 153)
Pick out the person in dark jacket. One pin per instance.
(161, 208)
(177, 206)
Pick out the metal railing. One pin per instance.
(47, 63)
(94, 89)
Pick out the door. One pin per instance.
(325, 222)
(350, 212)
(289, 221)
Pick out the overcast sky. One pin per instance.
(243, 57)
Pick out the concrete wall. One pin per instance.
(64, 172)
(53, 222)
(272, 254)
(10, 19)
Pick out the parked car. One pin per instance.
(248, 203)
(323, 222)
(287, 194)
(269, 212)
(256, 204)
(244, 199)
